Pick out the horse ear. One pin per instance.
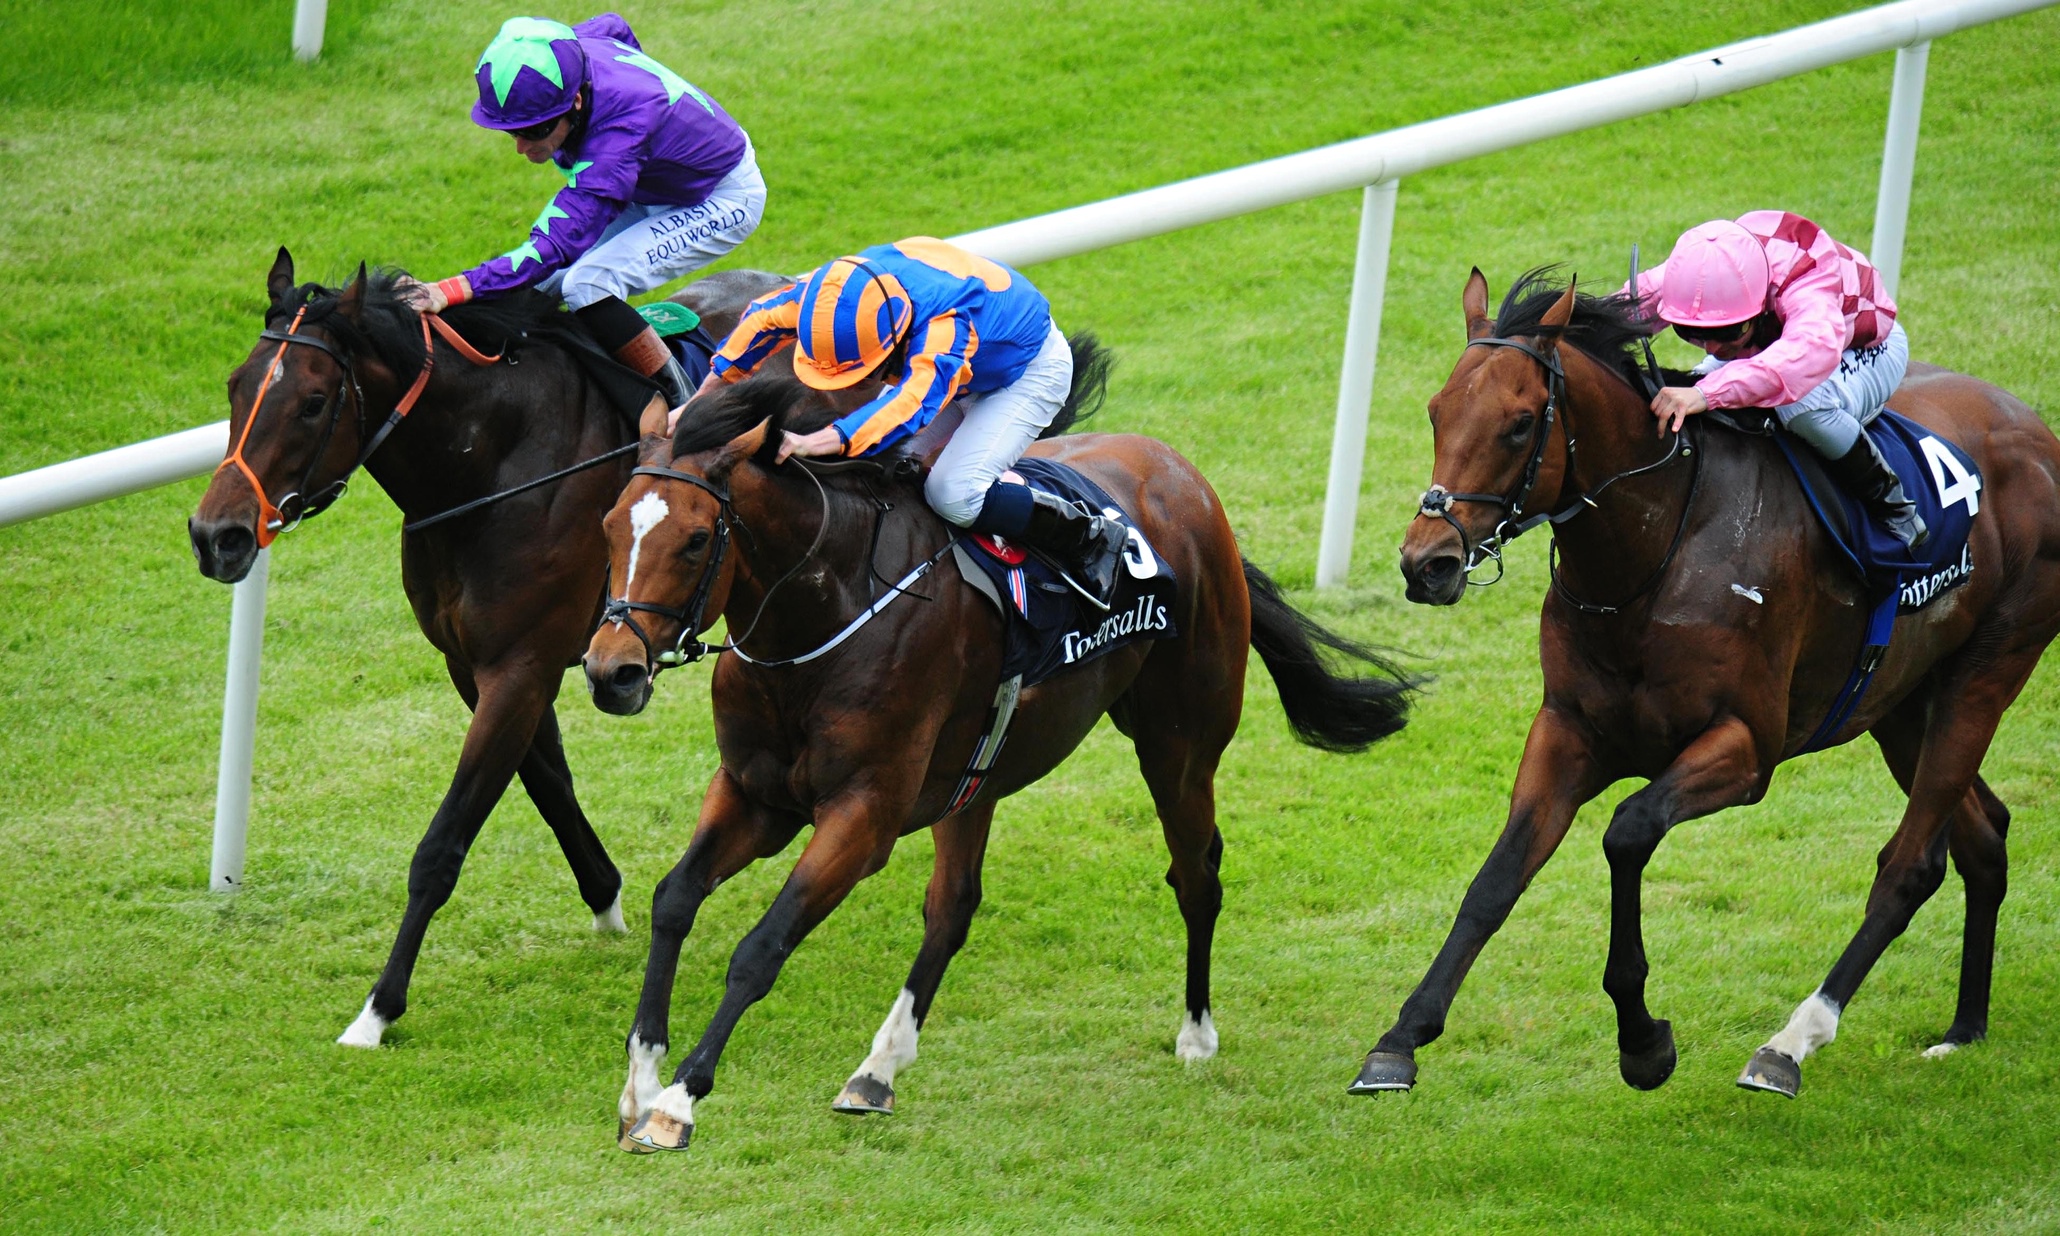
(279, 282)
(352, 303)
(1562, 310)
(739, 449)
(1475, 302)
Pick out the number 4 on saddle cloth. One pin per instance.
(1946, 486)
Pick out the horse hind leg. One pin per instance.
(548, 779)
(948, 908)
(1978, 850)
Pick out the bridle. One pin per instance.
(291, 510)
(1437, 500)
(686, 649)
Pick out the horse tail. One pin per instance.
(1333, 712)
(1091, 365)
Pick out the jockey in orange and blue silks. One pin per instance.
(939, 325)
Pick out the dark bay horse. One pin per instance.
(1698, 629)
(867, 741)
(507, 593)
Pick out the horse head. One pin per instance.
(291, 442)
(1493, 426)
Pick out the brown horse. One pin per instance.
(868, 740)
(1698, 629)
(509, 592)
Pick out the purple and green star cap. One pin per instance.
(530, 73)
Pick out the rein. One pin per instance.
(1437, 500)
(686, 649)
(292, 509)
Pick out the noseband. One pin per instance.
(1437, 500)
(685, 649)
(294, 507)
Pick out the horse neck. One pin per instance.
(782, 510)
(1625, 536)
(470, 421)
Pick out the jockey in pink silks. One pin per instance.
(1793, 321)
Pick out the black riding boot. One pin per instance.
(629, 339)
(1864, 474)
(1084, 542)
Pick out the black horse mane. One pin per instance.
(392, 331)
(1607, 328)
(779, 397)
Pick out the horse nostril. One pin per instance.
(627, 678)
(233, 542)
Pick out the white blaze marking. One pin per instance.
(641, 1090)
(649, 511)
(366, 1030)
(894, 1046)
(610, 919)
(1197, 1039)
(1814, 1024)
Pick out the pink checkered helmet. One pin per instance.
(1716, 276)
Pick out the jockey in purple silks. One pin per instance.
(659, 181)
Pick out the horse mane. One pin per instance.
(392, 331)
(1607, 328)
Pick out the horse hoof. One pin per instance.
(1384, 1071)
(657, 1131)
(623, 1140)
(1650, 1069)
(1772, 1072)
(865, 1095)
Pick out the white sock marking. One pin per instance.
(366, 1030)
(1814, 1024)
(610, 919)
(1939, 1051)
(675, 1102)
(894, 1046)
(649, 511)
(641, 1090)
(1197, 1039)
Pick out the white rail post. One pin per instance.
(239, 727)
(1355, 384)
(1898, 163)
(309, 17)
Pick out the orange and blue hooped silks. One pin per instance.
(850, 314)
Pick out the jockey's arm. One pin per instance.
(938, 369)
(768, 324)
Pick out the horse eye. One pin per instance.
(696, 541)
(313, 407)
(1522, 429)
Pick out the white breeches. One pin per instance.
(999, 426)
(1829, 417)
(649, 246)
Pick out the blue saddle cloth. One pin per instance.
(1946, 486)
(693, 350)
(1049, 626)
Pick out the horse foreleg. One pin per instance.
(1720, 769)
(1964, 715)
(733, 832)
(948, 907)
(853, 837)
(548, 779)
(507, 704)
(1558, 774)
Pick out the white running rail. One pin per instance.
(1373, 164)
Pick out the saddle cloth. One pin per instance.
(1937, 475)
(1049, 626)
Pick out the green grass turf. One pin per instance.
(168, 1061)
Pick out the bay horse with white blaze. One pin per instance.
(868, 740)
(1699, 626)
(507, 592)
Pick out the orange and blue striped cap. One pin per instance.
(853, 314)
